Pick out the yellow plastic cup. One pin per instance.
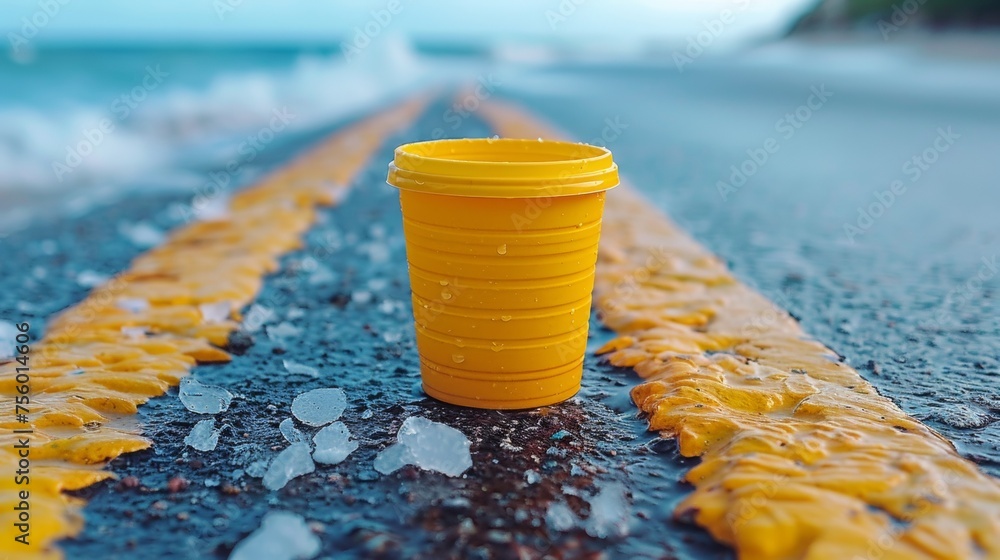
(501, 239)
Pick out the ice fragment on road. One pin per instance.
(204, 399)
(211, 208)
(141, 234)
(215, 312)
(132, 305)
(387, 306)
(291, 433)
(430, 445)
(609, 512)
(333, 444)
(337, 191)
(435, 446)
(258, 468)
(377, 252)
(319, 406)
(91, 279)
(48, 247)
(293, 462)
(559, 517)
(281, 536)
(8, 339)
(361, 297)
(282, 332)
(300, 369)
(532, 477)
(392, 337)
(393, 458)
(134, 333)
(256, 317)
(322, 275)
(204, 436)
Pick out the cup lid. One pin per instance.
(503, 168)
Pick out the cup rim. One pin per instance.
(503, 168)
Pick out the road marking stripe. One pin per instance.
(801, 457)
(87, 374)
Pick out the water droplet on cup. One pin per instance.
(496, 346)
(502, 249)
(446, 295)
(444, 282)
(505, 318)
(457, 358)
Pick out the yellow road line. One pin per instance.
(801, 457)
(89, 371)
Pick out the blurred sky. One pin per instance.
(483, 21)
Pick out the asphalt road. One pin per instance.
(907, 290)
(897, 303)
(363, 344)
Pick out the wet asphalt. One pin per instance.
(912, 298)
(900, 303)
(172, 501)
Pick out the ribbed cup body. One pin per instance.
(501, 294)
(501, 238)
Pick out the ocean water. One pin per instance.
(82, 126)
